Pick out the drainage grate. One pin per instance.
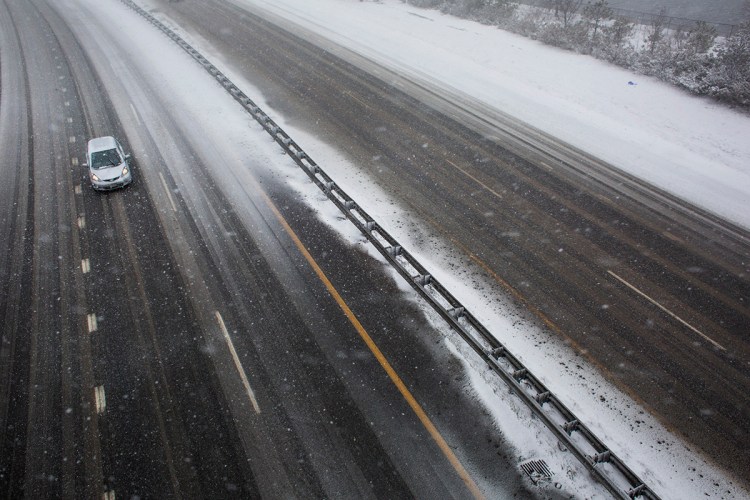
(537, 470)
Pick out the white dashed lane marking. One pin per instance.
(100, 399)
(467, 174)
(237, 363)
(166, 189)
(135, 113)
(92, 322)
(670, 313)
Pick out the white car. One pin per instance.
(108, 164)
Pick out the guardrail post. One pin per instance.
(602, 457)
(542, 397)
(423, 279)
(571, 426)
(498, 352)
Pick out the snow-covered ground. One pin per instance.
(660, 458)
(689, 146)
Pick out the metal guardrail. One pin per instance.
(575, 436)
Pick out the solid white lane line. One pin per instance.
(85, 266)
(169, 194)
(467, 174)
(81, 222)
(135, 113)
(100, 398)
(673, 315)
(91, 319)
(237, 363)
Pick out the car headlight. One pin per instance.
(125, 171)
(94, 177)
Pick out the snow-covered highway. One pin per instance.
(219, 302)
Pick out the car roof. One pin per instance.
(102, 144)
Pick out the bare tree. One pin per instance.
(597, 13)
(734, 54)
(566, 9)
(701, 38)
(619, 31)
(729, 78)
(656, 34)
(555, 4)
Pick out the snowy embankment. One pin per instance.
(657, 456)
(688, 146)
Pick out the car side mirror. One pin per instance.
(85, 164)
(127, 157)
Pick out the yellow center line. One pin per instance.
(412, 402)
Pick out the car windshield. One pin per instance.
(104, 159)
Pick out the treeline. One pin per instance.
(692, 57)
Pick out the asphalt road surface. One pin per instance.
(653, 291)
(166, 341)
(172, 340)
